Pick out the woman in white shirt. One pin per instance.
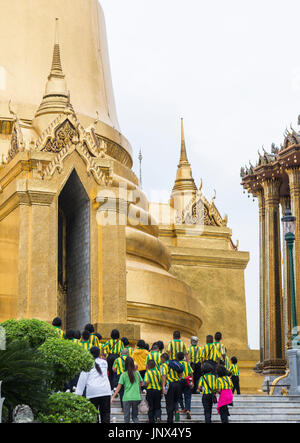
(97, 386)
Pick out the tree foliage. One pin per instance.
(34, 331)
(66, 407)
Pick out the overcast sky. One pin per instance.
(231, 69)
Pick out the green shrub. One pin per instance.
(34, 331)
(66, 407)
(66, 358)
(25, 378)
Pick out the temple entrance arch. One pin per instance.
(73, 261)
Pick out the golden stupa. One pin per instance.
(78, 237)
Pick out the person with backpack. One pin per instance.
(208, 385)
(186, 385)
(97, 386)
(132, 381)
(171, 375)
(194, 353)
(119, 368)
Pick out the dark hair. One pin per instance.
(77, 335)
(147, 347)
(141, 344)
(56, 321)
(86, 335)
(207, 368)
(234, 360)
(125, 341)
(160, 345)
(130, 369)
(115, 334)
(70, 334)
(96, 353)
(180, 356)
(218, 336)
(89, 327)
(155, 347)
(99, 336)
(221, 371)
(176, 335)
(151, 364)
(209, 339)
(165, 356)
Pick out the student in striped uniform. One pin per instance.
(224, 387)
(208, 386)
(186, 384)
(171, 386)
(194, 354)
(176, 345)
(113, 349)
(235, 375)
(153, 384)
(57, 323)
(221, 348)
(119, 368)
(127, 346)
(154, 355)
(210, 353)
(85, 340)
(93, 338)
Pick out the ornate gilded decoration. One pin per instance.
(17, 142)
(200, 212)
(64, 135)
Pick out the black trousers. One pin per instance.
(224, 414)
(153, 398)
(121, 392)
(172, 398)
(102, 404)
(236, 384)
(207, 401)
(111, 375)
(197, 374)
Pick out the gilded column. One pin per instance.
(294, 182)
(262, 275)
(274, 362)
(287, 316)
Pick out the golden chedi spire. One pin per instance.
(56, 99)
(184, 188)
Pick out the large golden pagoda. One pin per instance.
(78, 237)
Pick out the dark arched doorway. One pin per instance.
(74, 254)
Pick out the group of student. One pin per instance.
(176, 373)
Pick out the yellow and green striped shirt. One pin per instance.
(220, 347)
(113, 347)
(153, 376)
(176, 346)
(85, 344)
(95, 341)
(187, 370)
(210, 352)
(60, 332)
(130, 350)
(208, 383)
(154, 355)
(227, 363)
(234, 369)
(171, 375)
(194, 353)
(119, 364)
(224, 383)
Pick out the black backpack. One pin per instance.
(176, 366)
